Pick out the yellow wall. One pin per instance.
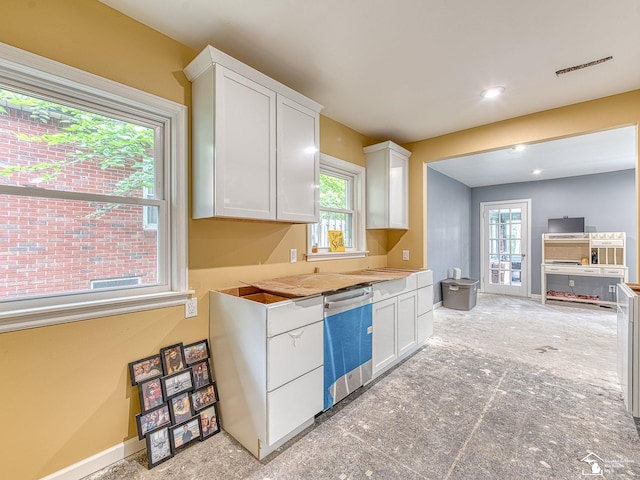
(66, 393)
(65, 388)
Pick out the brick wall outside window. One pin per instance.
(52, 246)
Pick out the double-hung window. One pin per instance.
(92, 195)
(341, 209)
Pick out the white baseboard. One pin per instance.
(437, 305)
(98, 461)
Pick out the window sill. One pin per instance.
(72, 312)
(317, 257)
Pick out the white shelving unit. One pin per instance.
(594, 254)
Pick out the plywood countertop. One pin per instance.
(316, 283)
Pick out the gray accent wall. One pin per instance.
(607, 201)
(448, 228)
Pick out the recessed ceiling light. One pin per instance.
(519, 148)
(537, 171)
(492, 92)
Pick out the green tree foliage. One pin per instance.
(90, 137)
(333, 192)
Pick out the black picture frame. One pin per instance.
(201, 374)
(203, 397)
(153, 419)
(151, 394)
(197, 351)
(207, 416)
(177, 433)
(159, 447)
(180, 408)
(145, 369)
(172, 359)
(177, 383)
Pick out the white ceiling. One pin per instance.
(407, 70)
(599, 152)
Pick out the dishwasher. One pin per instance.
(347, 342)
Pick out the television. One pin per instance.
(566, 225)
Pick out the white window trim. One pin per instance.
(18, 67)
(360, 248)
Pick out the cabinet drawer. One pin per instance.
(613, 272)
(425, 299)
(424, 278)
(294, 403)
(425, 327)
(287, 316)
(607, 243)
(572, 270)
(294, 353)
(393, 288)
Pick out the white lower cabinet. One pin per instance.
(402, 318)
(268, 362)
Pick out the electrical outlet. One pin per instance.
(405, 255)
(572, 283)
(612, 289)
(191, 308)
(293, 255)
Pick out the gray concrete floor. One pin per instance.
(509, 390)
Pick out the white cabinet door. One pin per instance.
(407, 325)
(298, 173)
(384, 318)
(398, 190)
(387, 186)
(244, 151)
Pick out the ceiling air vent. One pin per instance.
(584, 65)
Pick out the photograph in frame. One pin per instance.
(180, 408)
(152, 419)
(145, 369)
(204, 397)
(172, 359)
(150, 392)
(209, 421)
(177, 383)
(158, 446)
(201, 374)
(194, 352)
(184, 433)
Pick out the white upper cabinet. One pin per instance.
(387, 186)
(255, 144)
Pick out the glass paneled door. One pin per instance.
(505, 243)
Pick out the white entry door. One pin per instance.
(505, 247)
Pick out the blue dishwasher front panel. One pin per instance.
(347, 353)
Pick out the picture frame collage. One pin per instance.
(178, 399)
